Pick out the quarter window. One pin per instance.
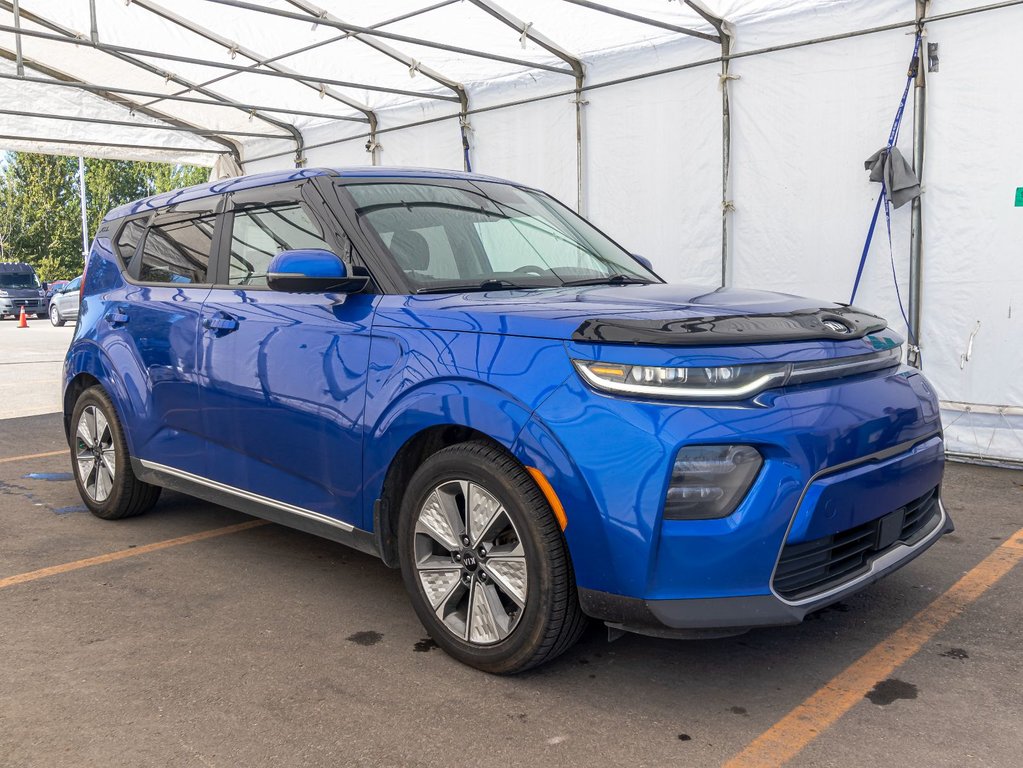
(177, 248)
(261, 232)
(128, 240)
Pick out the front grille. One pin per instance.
(816, 566)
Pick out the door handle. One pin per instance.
(116, 316)
(221, 323)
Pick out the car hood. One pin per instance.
(656, 314)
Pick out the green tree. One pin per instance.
(40, 214)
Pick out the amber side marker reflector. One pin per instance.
(552, 497)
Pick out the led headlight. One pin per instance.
(728, 382)
(709, 481)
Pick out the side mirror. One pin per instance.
(45, 286)
(644, 261)
(311, 270)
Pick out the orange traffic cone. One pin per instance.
(23, 318)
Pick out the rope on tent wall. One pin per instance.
(893, 137)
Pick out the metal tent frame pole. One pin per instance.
(273, 68)
(727, 206)
(62, 79)
(203, 132)
(248, 109)
(414, 66)
(19, 61)
(67, 32)
(916, 234)
(112, 144)
(645, 20)
(313, 46)
(527, 32)
(370, 32)
(312, 81)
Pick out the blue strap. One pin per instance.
(893, 137)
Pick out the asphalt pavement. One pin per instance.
(179, 638)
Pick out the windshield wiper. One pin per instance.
(494, 284)
(610, 280)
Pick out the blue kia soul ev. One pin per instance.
(460, 375)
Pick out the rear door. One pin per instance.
(151, 326)
(283, 375)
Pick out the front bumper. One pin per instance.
(721, 616)
(9, 306)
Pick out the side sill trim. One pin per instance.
(254, 504)
(248, 496)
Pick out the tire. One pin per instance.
(55, 318)
(100, 461)
(501, 611)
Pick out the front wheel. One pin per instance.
(485, 562)
(55, 318)
(101, 463)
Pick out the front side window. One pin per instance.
(177, 248)
(260, 232)
(474, 234)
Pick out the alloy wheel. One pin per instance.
(95, 455)
(470, 562)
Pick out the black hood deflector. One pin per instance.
(798, 325)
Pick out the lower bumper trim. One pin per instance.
(723, 616)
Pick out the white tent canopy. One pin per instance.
(614, 107)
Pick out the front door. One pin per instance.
(283, 375)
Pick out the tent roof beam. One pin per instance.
(399, 56)
(63, 79)
(526, 29)
(296, 135)
(275, 69)
(320, 44)
(368, 31)
(645, 20)
(118, 145)
(309, 80)
(204, 132)
(245, 107)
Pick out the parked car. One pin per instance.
(461, 376)
(19, 288)
(50, 288)
(64, 302)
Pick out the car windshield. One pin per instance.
(466, 235)
(18, 280)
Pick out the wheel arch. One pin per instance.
(85, 368)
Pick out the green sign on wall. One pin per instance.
(1019, 197)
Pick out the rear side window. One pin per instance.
(177, 248)
(128, 240)
(260, 232)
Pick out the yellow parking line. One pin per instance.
(53, 570)
(790, 735)
(28, 456)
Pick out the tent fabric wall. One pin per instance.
(804, 118)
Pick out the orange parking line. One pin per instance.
(790, 735)
(28, 456)
(53, 570)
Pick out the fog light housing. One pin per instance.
(709, 481)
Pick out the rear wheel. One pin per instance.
(101, 463)
(55, 318)
(485, 562)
